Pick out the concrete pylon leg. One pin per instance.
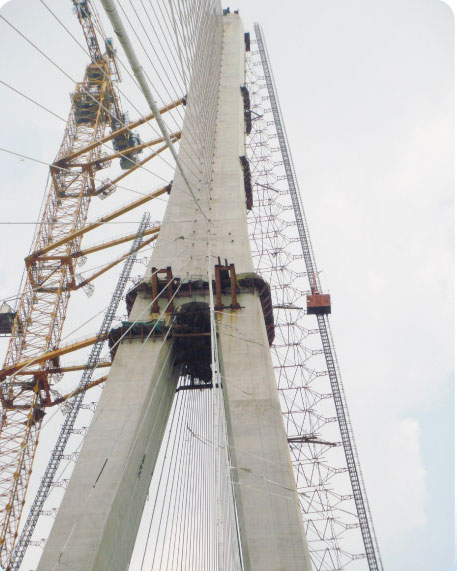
(272, 535)
(97, 523)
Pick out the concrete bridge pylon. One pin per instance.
(98, 520)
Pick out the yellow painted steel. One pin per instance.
(78, 233)
(50, 355)
(112, 264)
(41, 311)
(137, 166)
(68, 369)
(115, 134)
(129, 150)
(115, 242)
(62, 399)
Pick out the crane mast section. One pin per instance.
(70, 419)
(44, 299)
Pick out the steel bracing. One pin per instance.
(74, 404)
(43, 306)
(278, 208)
(51, 268)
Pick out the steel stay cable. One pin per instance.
(192, 487)
(145, 51)
(159, 20)
(178, 497)
(162, 18)
(176, 462)
(181, 459)
(212, 444)
(32, 100)
(182, 502)
(186, 509)
(197, 64)
(151, 82)
(196, 454)
(197, 481)
(176, 80)
(207, 425)
(133, 362)
(93, 178)
(70, 419)
(153, 66)
(197, 488)
(121, 32)
(178, 404)
(174, 31)
(201, 463)
(181, 404)
(13, 376)
(88, 93)
(165, 493)
(179, 469)
(178, 45)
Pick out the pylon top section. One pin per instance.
(215, 217)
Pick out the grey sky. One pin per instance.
(366, 90)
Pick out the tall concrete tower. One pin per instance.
(203, 247)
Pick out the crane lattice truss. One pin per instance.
(32, 363)
(335, 509)
(74, 404)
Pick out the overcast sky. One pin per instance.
(366, 89)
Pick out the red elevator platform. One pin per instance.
(318, 303)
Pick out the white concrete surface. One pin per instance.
(271, 530)
(97, 523)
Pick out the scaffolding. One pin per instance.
(333, 500)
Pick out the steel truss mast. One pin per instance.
(353, 466)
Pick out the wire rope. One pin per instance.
(171, 96)
(57, 66)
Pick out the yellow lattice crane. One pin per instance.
(32, 357)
